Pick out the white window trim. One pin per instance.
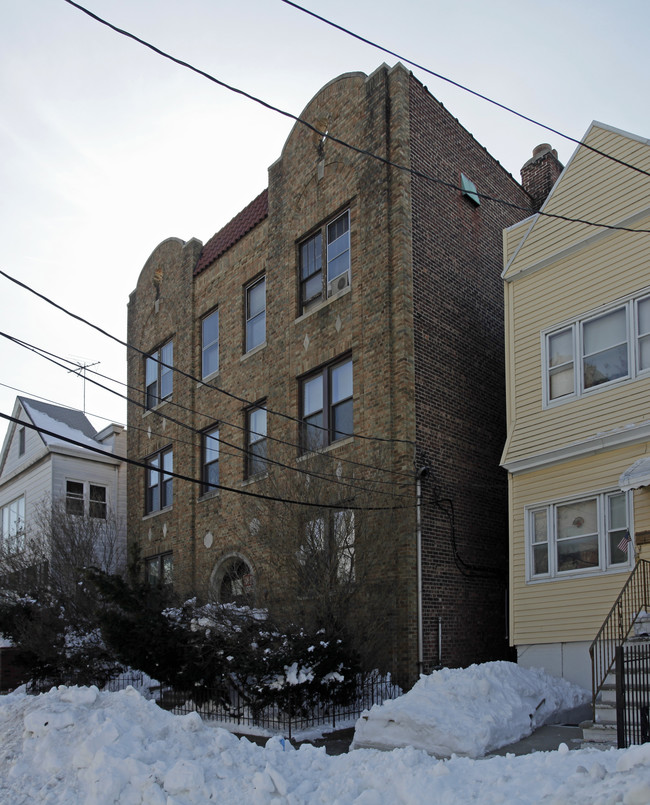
(205, 347)
(326, 295)
(630, 304)
(604, 565)
(249, 348)
(13, 543)
(85, 498)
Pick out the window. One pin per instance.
(327, 406)
(643, 333)
(597, 350)
(74, 498)
(159, 374)
(255, 314)
(159, 493)
(210, 344)
(97, 502)
(12, 526)
(336, 257)
(256, 441)
(578, 536)
(210, 460)
(83, 498)
(327, 554)
(159, 570)
(21, 441)
(234, 582)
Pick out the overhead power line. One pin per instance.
(341, 481)
(181, 477)
(178, 371)
(327, 135)
(463, 87)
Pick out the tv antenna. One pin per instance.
(81, 371)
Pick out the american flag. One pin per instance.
(626, 540)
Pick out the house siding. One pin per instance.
(574, 447)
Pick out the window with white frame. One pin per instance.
(210, 461)
(210, 344)
(581, 536)
(256, 452)
(85, 499)
(329, 247)
(159, 374)
(12, 526)
(21, 441)
(596, 350)
(327, 401)
(159, 491)
(255, 314)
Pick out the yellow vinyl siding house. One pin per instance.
(577, 308)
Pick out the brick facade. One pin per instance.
(422, 323)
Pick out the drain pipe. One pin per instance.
(420, 475)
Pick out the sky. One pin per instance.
(106, 148)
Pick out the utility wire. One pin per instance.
(461, 86)
(182, 373)
(326, 135)
(171, 474)
(56, 360)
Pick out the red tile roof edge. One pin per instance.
(233, 231)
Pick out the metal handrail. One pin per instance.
(633, 598)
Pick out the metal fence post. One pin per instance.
(620, 697)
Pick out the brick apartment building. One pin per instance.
(358, 297)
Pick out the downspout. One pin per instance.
(421, 473)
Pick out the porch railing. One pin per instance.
(633, 599)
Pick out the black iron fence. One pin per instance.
(237, 710)
(632, 694)
(633, 599)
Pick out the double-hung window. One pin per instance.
(85, 499)
(329, 247)
(12, 526)
(256, 451)
(596, 350)
(159, 374)
(255, 314)
(578, 537)
(210, 462)
(327, 553)
(159, 569)
(159, 492)
(210, 344)
(326, 398)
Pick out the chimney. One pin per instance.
(540, 173)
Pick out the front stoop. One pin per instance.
(602, 731)
(598, 736)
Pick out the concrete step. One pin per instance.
(598, 733)
(606, 717)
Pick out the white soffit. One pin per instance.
(635, 476)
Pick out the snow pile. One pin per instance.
(468, 711)
(76, 745)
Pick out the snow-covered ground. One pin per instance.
(469, 711)
(80, 746)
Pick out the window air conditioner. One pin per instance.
(338, 284)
